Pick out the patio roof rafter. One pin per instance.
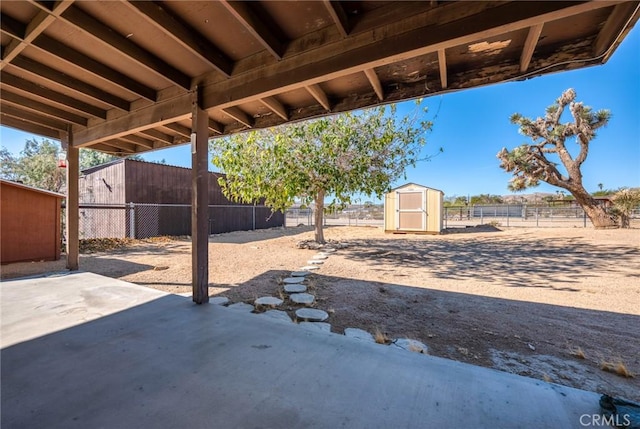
(25, 34)
(173, 26)
(259, 24)
(103, 33)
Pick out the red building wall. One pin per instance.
(30, 223)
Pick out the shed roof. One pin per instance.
(31, 188)
(415, 184)
(122, 76)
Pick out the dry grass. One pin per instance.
(616, 367)
(415, 348)
(577, 352)
(380, 337)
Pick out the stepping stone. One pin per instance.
(295, 288)
(312, 314)
(319, 257)
(316, 326)
(309, 267)
(293, 280)
(268, 300)
(219, 300)
(300, 273)
(277, 315)
(359, 334)
(329, 250)
(315, 262)
(411, 345)
(241, 306)
(302, 298)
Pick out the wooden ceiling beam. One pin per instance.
(122, 146)
(607, 36)
(140, 141)
(375, 83)
(339, 16)
(104, 148)
(94, 67)
(530, 46)
(319, 95)
(172, 25)
(216, 127)
(442, 64)
(181, 130)
(276, 107)
(29, 127)
(259, 25)
(122, 44)
(39, 107)
(48, 94)
(12, 27)
(239, 115)
(161, 112)
(34, 118)
(158, 136)
(65, 80)
(366, 50)
(32, 30)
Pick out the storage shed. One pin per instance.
(30, 219)
(413, 208)
(161, 195)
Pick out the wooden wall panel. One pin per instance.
(30, 225)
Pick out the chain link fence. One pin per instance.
(356, 215)
(507, 215)
(519, 215)
(135, 220)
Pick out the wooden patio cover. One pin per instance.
(127, 77)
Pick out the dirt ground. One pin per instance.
(555, 304)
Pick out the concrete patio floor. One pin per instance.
(86, 351)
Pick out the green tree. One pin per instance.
(535, 162)
(333, 157)
(37, 164)
(624, 202)
(455, 200)
(90, 158)
(486, 199)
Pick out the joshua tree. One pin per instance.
(535, 162)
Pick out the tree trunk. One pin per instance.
(595, 212)
(319, 217)
(624, 221)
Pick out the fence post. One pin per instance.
(481, 217)
(536, 217)
(254, 216)
(446, 216)
(132, 221)
(508, 213)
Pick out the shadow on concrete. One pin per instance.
(168, 363)
(514, 262)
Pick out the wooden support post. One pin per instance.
(200, 202)
(72, 210)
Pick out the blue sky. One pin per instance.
(473, 125)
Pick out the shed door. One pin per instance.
(411, 210)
